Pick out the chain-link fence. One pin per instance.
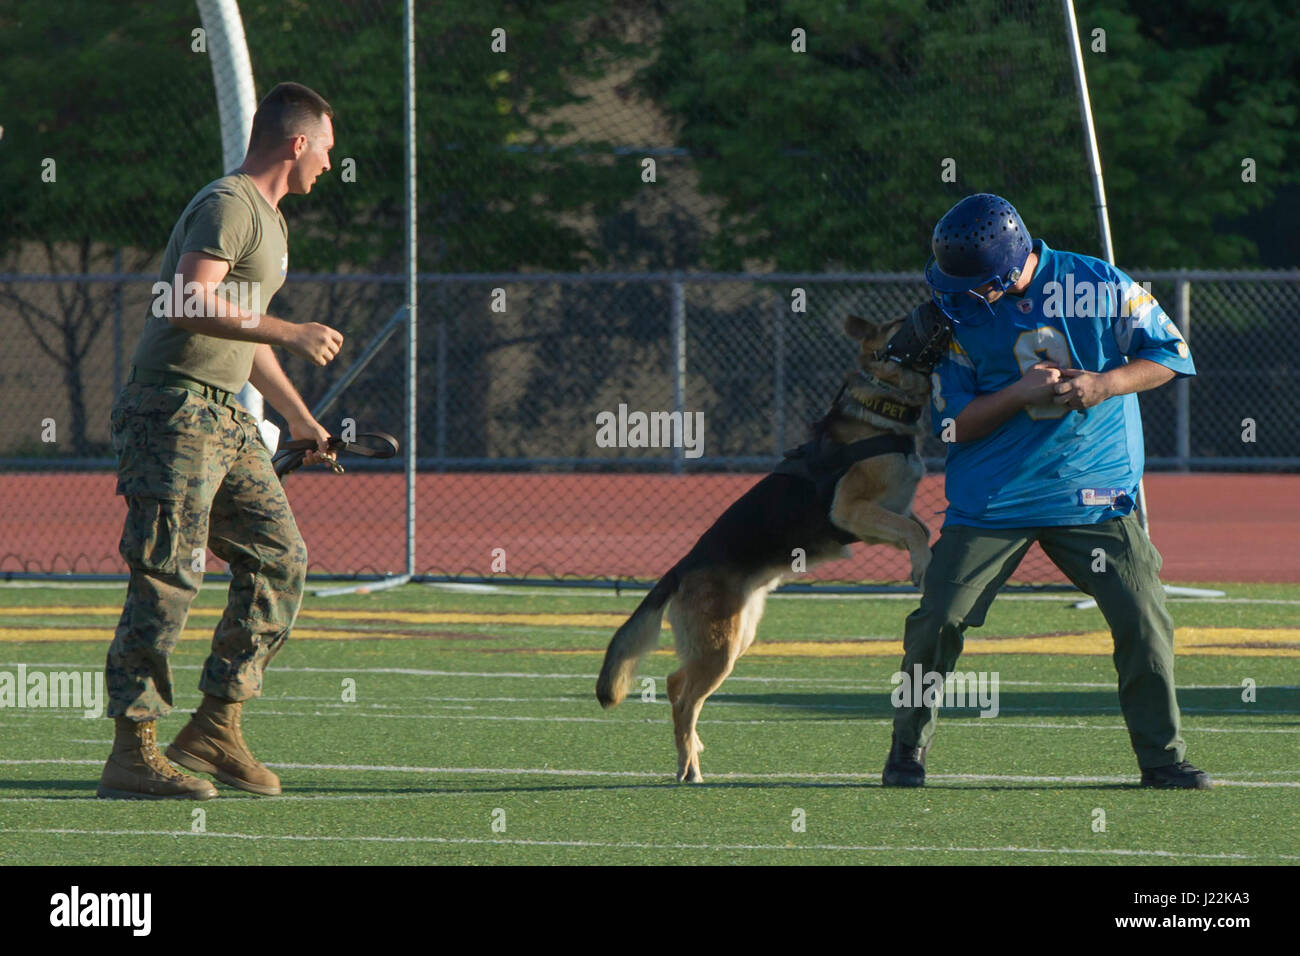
(642, 149)
(515, 370)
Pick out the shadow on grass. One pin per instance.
(669, 784)
(1197, 702)
(83, 789)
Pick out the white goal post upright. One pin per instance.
(1103, 226)
(232, 77)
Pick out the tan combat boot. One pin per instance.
(213, 743)
(137, 771)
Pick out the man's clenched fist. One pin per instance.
(316, 343)
(1080, 390)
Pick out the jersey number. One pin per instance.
(1043, 344)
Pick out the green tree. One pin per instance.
(831, 158)
(1180, 101)
(118, 97)
(99, 155)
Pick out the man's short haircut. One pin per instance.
(289, 110)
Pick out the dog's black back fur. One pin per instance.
(763, 526)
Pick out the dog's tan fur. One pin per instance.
(714, 610)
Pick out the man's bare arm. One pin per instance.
(1079, 389)
(227, 320)
(268, 378)
(985, 414)
(1073, 387)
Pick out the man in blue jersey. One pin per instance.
(1037, 402)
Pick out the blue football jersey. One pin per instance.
(1049, 465)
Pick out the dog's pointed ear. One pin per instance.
(858, 328)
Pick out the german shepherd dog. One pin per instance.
(825, 495)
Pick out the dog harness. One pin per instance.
(879, 399)
(824, 462)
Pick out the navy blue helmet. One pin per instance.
(980, 240)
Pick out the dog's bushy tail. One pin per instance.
(633, 641)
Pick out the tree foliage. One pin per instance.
(832, 158)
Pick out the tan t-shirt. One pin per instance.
(228, 219)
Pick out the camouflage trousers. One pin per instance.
(196, 475)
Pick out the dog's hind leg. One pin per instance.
(713, 654)
(688, 687)
(706, 629)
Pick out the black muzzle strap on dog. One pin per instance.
(374, 444)
(921, 341)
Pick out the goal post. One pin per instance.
(232, 78)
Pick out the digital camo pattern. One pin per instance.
(196, 475)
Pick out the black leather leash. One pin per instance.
(291, 454)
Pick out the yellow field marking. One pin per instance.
(68, 635)
(591, 619)
(1189, 641)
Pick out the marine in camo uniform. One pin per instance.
(195, 473)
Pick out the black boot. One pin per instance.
(1177, 776)
(905, 766)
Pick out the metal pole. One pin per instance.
(679, 361)
(778, 359)
(1089, 132)
(232, 76)
(1098, 185)
(440, 369)
(1108, 250)
(412, 367)
(408, 310)
(118, 376)
(1182, 388)
(341, 385)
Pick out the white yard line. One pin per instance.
(951, 718)
(841, 682)
(957, 723)
(640, 774)
(755, 721)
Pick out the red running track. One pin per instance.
(1209, 527)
